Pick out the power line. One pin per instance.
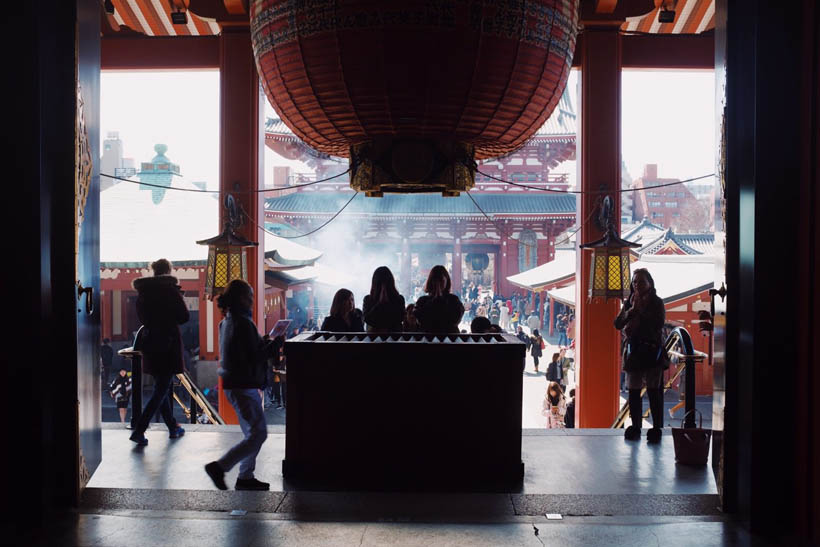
(260, 191)
(581, 192)
(331, 219)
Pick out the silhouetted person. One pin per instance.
(641, 319)
(480, 325)
(343, 316)
(410, 323)
(439, 311)
(569, 417)
(161, 310)
(243, 363)
(384, 307)
(536, 347)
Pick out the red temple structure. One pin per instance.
(507, 230)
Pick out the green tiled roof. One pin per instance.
(331, 202)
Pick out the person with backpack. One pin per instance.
(537, 347)
(554, 371)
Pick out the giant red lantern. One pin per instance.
(413, 91)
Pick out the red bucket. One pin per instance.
(692, 444)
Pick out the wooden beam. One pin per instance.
(659, 51)
(673, 51)
(159, 53)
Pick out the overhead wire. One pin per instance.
(331, 219)
(582, 192)
(259, 191)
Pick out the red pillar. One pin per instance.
(457, 282)
(598, 341)
(240, 155)
(552, 315)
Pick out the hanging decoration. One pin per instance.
(227, 253)
(609, 275)
(414, 92)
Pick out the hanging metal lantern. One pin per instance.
(478, 261)
(227, 254)
(609, 275)
(414, 91)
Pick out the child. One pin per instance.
(554, 407)
(120, 390)
(243, 356)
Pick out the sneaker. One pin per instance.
(176, 433)
(251, 484)
(140, 440)
(653, 436)
(279, 407)
(632, 433)
(214, 470)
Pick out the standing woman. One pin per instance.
(536, 347)
(641, 319)
(439, 311)
(554, 406)
(243, 362)
(343, 316)
(384, 307)
(161, 310)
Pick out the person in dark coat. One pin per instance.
(439, 311)
(569, 417)
(343, 316)
(161, 310)
(641, 319)
(384, 307)
(521, 335)
(535, 347)
(243, 368)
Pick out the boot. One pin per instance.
(633, 432)
(656, 408)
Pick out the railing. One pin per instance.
(197, 399)
(678, 336)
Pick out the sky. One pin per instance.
(667, 119)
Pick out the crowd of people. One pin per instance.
(252, 366)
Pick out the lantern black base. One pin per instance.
(411, 166)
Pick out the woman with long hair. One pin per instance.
(343, 316)
(641, 319)
(243, 358)
(384, 307)
(554, 406)
(536, 347)
(439, 310)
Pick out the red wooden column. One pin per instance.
(600, 141)
(240, 157)
(457, 281)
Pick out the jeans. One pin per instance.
(562, 339)
(248, 406)
(160, 400)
